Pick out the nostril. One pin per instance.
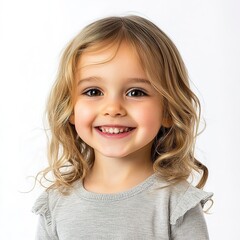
(115, 113)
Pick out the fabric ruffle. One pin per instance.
(190, 199)
(41, 207)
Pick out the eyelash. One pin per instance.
(98, 92)
(86, 92)
(139, 90)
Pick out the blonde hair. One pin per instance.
(173, 149)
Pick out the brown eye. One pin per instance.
(136, 93)
(93, 92)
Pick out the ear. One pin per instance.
(167, 122)
(72, 119)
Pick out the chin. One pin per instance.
(115, 154)
(111, 155)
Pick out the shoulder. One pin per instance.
(182, 197)
(186, 197)
(46, 202)
(49, 199)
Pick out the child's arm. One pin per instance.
(42, 232)
(187, 218)
(191, 226)
(45, 229)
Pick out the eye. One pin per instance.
(94, 92)
(136, 93)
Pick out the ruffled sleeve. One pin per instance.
(187, 218)
(41, 207)
(45, 225)
(190, 199)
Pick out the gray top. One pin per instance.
(150, 210)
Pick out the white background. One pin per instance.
(32, 35)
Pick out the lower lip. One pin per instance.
(114, 136)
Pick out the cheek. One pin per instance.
(149, 115)
(83, 116)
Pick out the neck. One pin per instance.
(118, 174)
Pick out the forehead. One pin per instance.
(112, 61)
(104, 53)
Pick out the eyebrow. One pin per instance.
(131, 80)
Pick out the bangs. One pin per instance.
(111, 32)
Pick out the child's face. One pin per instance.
(117, 111)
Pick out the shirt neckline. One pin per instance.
(83, 193)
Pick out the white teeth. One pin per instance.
(113, 130)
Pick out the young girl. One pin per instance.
(123, 122)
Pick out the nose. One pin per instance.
(114, 108)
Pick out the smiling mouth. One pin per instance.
(114, 130)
